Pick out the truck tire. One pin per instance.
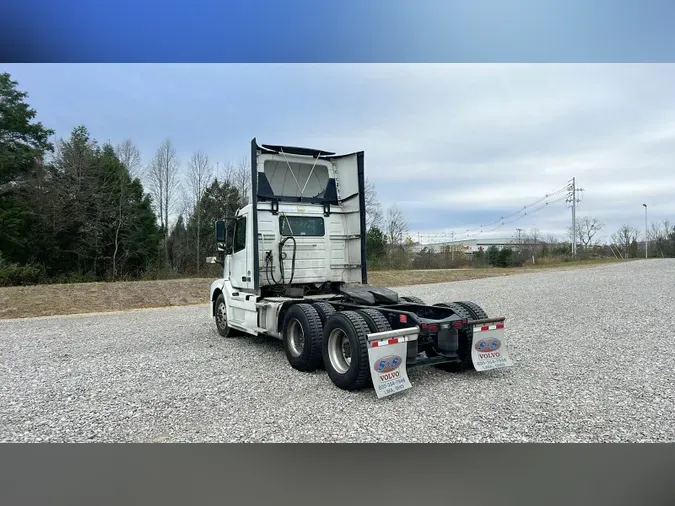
(221, 318)
(345, 350)
(324, 309)
(464, 350)
(458, 309)
(302, 333)
(476, 311)
(412, 300)
(375, 320)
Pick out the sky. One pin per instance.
(456, 146)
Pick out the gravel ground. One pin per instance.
(592, 349)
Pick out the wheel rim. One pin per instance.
(296, 338)
(221, 315)
(339, 351)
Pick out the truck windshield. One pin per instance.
(310, 226)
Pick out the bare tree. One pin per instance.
(659, 235)
(164, 183)
(241, 179)
(238, 176)
(623, 237)
(551, 239)
(587, 229)
(396, 225)
(199, 176)
(373, 207)
(130, 156)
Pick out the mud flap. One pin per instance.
(387, 352)
(488, 350)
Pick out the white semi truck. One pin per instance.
(294, 268)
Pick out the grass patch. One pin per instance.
(75, 298)
(71, 298)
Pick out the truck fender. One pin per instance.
(215, 291)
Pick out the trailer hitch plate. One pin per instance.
(387, 353)
(488, 349)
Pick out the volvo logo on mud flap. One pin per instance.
(387, 364)
(485, 345)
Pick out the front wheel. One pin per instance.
(221, 318)
(345, 350)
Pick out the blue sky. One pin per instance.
(455, 145)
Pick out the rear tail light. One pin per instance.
(433, 328)
(457, 324)
(403, 318)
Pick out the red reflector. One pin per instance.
(484, 328)
(500, 325)
(457, 324)
(424, 326)
(433, 328)
(403, 318)
(393, 341)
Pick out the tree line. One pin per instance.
(78, 210)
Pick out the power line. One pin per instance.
(551, 198)
(535, 203)
(523, 214)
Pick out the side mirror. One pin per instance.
(221, 231)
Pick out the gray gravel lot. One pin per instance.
(593, 354)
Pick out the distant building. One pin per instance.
(474, 245)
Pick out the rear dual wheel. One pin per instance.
(345, 350)
(375, 320)
(474, 309)
(302, 335)
(324, 309)
(345, 346)
(411, 299)
(316, 335)
(468, 311)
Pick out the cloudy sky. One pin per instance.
(455, 146)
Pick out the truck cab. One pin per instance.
(303, 233)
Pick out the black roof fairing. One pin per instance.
(294, 150)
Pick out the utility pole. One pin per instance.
(519, 231)
(646, 233)
(452, 246)
(572, 199)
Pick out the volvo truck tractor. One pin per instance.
(294, 268)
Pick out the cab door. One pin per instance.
(240, 263)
